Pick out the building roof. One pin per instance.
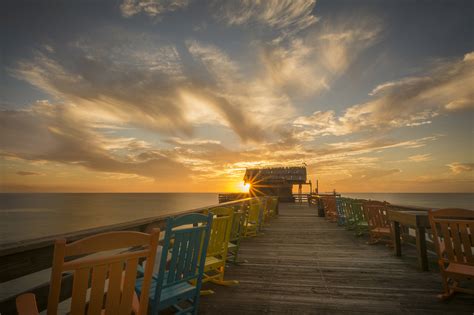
(291, 175)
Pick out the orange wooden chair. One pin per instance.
(111, 276)
(453, 233)
(378, 223)
(330, 209)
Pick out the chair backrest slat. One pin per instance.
(79, 291)
(128, 286)
(99, 274)
(458, 252)
(464, 231)
(113, 291)
(446, 238)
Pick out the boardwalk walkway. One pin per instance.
(303, 264)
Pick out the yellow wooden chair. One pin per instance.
(111, 276)
(217, 250)
(453, 233)
(271, 203)
(236, 233)
(252, 219)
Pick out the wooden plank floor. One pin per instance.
(304, 264)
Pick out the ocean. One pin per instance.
(26, 216)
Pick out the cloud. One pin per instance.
(48, 132)
(27, 173)
(407, 102)
(420, 158)
(276, 14)
(151, 7)
(241, 101)
(306, 65)
(458, 168)
(127, 79)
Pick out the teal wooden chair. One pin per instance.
(178, 281)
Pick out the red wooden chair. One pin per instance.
(453, 233)
(378, 223)
(330, 210)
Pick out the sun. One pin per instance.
(244, 187)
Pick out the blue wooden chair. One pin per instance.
(341, 217)
(178, 281)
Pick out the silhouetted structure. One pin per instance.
(275, 181)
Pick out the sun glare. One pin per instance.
(244, 187)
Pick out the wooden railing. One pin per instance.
(226, 197)
(26, 257)
(301, 198)
(407, 232)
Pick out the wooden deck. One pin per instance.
(304, 264)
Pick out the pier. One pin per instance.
(299, 262)
(305, 264)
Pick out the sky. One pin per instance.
(184, 95)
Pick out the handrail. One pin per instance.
(26, 257)
(19, 246)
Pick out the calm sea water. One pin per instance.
(28, 216)
(31, 215)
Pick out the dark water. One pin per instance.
(28, 216)
(31, 215)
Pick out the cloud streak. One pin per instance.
(407, 102)
(151, 8)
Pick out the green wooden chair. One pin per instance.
(214, 267)
(360, 223)
(177, 283)
(350, 221)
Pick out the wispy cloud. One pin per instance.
(289, 16)
(306, 65)
(458, 168)
(28, 173)
(55, 133)
(151, 7)
(420, 157)
(407, 102)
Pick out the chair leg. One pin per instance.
(220, 280)
(206, 292)
(448, 290)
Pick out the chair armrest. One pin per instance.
(26, 304)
